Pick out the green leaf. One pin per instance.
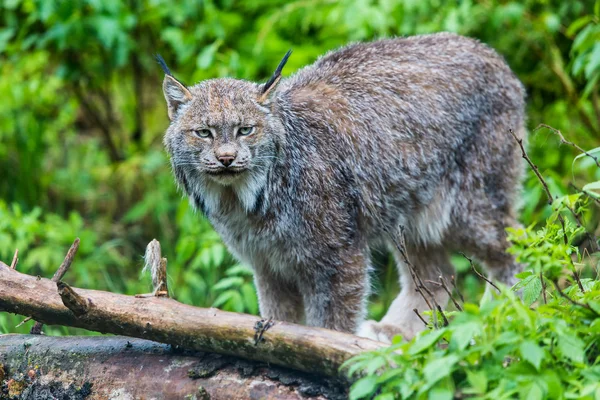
(363, 388)
(374, 365)
(384, 396)
(593, 152)
(478, 381)
(250, 300)
(239, 269)
(440, 394)
(578, 24)
(593, 189)
(207, 55)
(532, 353)
(532, 290)
(107, 29)
(439, 368)
(5, 36)
(462, 335)
(227, 283)
(426, 341)
(533, 391)
(224, 298)
(571, 346)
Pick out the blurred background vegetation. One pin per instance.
(82, 118)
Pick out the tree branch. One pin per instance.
(161, 319)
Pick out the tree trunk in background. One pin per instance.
(40, 367)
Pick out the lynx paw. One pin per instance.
(381, 332)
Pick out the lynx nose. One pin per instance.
(226, 160)
(226, 155)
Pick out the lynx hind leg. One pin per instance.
(430, 263)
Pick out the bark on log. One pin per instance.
(42, 367)
(313, 350)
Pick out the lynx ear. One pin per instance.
(176, 95)
(271, 84)
(175, 92)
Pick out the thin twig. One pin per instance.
(478, 273)
(66, 264)
(543, 287)
(587, 194)
(415, 277)
(442, 285)
(15, 260)
(36, 329)
(443, 315)
(590, 236)
(574, 302)
(456, 304)
(577, 279)
(533, 167)
(542, 181)
(567, 142)
(420, 286)
(421, 318)
(455, 286)
(22, 322)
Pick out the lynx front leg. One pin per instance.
(278, 299)
(336, 298)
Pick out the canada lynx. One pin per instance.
(303, 176)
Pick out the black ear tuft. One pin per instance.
(163, 64)
(277, 74)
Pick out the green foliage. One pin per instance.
(586, 48)
(503, 348)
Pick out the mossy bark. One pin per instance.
(37, 366)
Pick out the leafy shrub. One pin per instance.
(505, 347)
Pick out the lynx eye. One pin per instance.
(245, 130)
(203, 133)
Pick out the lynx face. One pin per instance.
(222, 139)
(219, 130)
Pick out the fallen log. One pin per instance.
(42, 367)
(164, 320)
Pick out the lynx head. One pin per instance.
(222, 131)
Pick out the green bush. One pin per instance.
(544, 347)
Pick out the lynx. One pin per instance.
(303, 176)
